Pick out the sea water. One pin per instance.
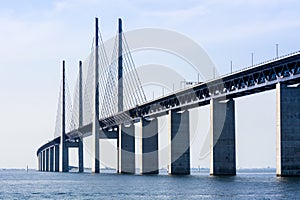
(20, 184)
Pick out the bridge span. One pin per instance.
(282, 74)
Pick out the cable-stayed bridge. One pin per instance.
(109, 99)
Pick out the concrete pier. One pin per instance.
(95, 149)
(149, 142)
(47, 160)
(56, 158)
(80, 156)
(51, 157)
(64, 157)
(43, 160)
(179, 137)
(126, 149)
(288, 130)
(222, 145)
(40, 161)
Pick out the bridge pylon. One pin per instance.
(126, 138)
(95, 119)
(64, 151)
(80, 121)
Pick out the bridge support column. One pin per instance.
(95, 122)
(95, 149)
(40, 161)
(80, 155)
(179, 137)
(288, 130)
(47, 160)
(51, 157)
(127, 149)
(43, 160)
(56, 156)
(222, 145)
(64, 157)
(149, 146)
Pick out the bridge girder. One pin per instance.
(254, 79)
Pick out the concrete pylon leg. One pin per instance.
(179, 133)
(118, 153)
(56, 158)
(288, 130)
(149, 142)
(127, 149)
(51, 157)
(222, 145)
(64, 151)
(95, 119)
(47, 160)
(80, 156)
(96, 150)
(64, 157)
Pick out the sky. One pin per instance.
(35, 36)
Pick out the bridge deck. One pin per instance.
(244, 82)
(251, 80)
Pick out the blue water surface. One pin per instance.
(18, 184)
